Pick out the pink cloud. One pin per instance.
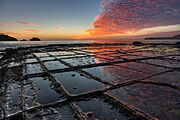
(27, 23)
(32, 30)
(122, 16)
(19, 22)
(23, 22)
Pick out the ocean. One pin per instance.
(15, 44)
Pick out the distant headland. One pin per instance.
(4, 37)
(175, 37)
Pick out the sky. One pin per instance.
(89, 19)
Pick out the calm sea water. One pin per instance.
(14, 44)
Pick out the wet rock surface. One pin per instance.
(93, 82)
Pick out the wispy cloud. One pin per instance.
(32, 30)
(126, 16)
(57, 28)
(19, 22)
(27, 23)
(24, 22)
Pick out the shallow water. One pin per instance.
(83, 71)
(54, 65)
(75, 83)
(99, 109)
(45, 91)
(114, 74)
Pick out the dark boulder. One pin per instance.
(137, 43)
(177, 36)
(35, 39)
(177, 44)
(23, 40)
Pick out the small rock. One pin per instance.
(73, 75)
(90, 114)
(137, 43)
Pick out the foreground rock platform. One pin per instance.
(90, 82)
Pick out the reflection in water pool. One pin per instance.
(73, 87)
(45, 91)
(99, 109)
(74, 83)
